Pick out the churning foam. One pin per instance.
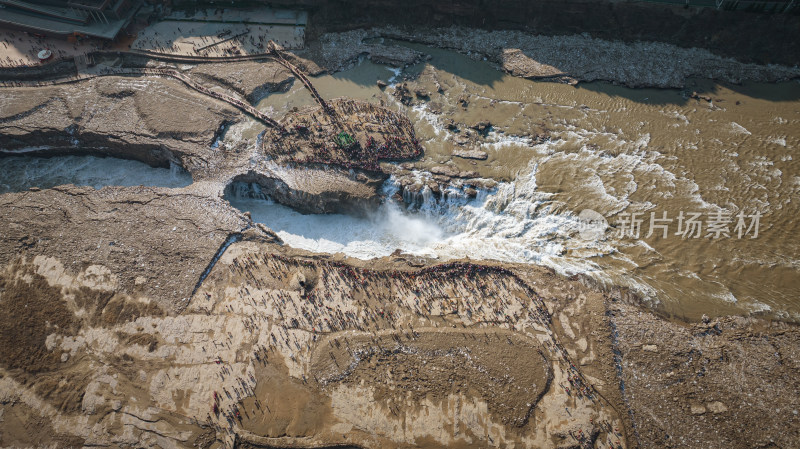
(511, 223)
(21, 173)
(379, 234)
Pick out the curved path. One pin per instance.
(275, 53)
(241, 105)
(278, 56)
(238, 104)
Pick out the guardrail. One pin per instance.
(764, 6)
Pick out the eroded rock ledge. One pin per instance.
(154, 242)
(279, 348)
(114, 116)
(306, 168)
(573, 58)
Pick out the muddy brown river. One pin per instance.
(719, 178)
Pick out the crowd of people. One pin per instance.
(588, 441)
(340, 282)
(246, 41)
(29, 45)
(379, 135)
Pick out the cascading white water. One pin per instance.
(376, 235)
(510, 223)
(246, 190)
(609, 150)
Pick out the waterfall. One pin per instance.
(176, 172)
(246, 190)
(512, 222)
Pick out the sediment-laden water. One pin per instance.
(624, 153)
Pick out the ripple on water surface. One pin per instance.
(612, 149)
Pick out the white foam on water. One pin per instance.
(515, 222)
(676, 115)
(377, 235)
(605, 167)
(759, 307)
(395, 75)
(781, 140)
(512, 223)
(432, 119)
(497, 141)
(739, 129)
(22, 173)
(727, 296)
(26, 150)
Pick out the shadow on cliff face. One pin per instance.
(749, 37)
(650, 95)
(375, 232)
(638, 77)
(253, 185)
(698, 89)
(477, 72)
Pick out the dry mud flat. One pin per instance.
(296, 351)
(729, 382)
(151, 241)
(249, 79)
(278, 348)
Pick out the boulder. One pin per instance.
(471, 154)
(482, 126)
(697, 409)
(445, 170)
(716, 407)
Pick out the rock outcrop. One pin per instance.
(749, 37)
(152, 119)
(151, 242)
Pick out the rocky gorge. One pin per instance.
(165, 317)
